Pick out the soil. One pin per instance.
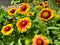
(5, 2)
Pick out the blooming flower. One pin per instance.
(24, 24)
(8, 29)
(12, 11)
(40, 40)
(30, 13)
(45, 3)
(41, 5)
(24, 8)
(46, 14)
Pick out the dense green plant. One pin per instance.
(50, 29)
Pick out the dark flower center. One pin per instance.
(45, 14)
(12, 11)
(23, 24)
(41, 4)
(7, 28)
(11, 19)
(30, 13)
(23, 8)
(46, 2)
(39, 42)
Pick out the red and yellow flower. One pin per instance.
(45, 3)
(23, 24)
(24, 8)
(12, 11)
(40, 40)
(8, 29)
(30, 14)
(46, 14)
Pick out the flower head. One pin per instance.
(8, 29)
(46, 14)
(45, 3)
(24, 24)
(40, 40)
(12, 11)
(30, 13)
(24, 8)
(41, 5)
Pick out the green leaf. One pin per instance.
(15, 1)
(58, 25)
(27, 41)
(12, 43)
(58, 12)
(53, 28)
(19, 42)
(57, 42)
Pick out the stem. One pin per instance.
(44, 27)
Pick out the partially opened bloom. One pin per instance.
(24, 24)
(40, 40)
(41, 5)
(24, 8)
(30, 13)
(7, 30)
(45, 3)
(46, 14)
(12, 11)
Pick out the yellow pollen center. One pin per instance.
(45, 14)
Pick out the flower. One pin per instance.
(41, 5)
(8, 29)
(24, 8)
(46, 14)
(12, 11)
(57, 1)
(45, 3)
(23, 24)
(30, 13)
(40, 40)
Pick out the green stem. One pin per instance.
(44, 27)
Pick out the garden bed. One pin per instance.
(29, 22)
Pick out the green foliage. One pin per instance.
(51, 28)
